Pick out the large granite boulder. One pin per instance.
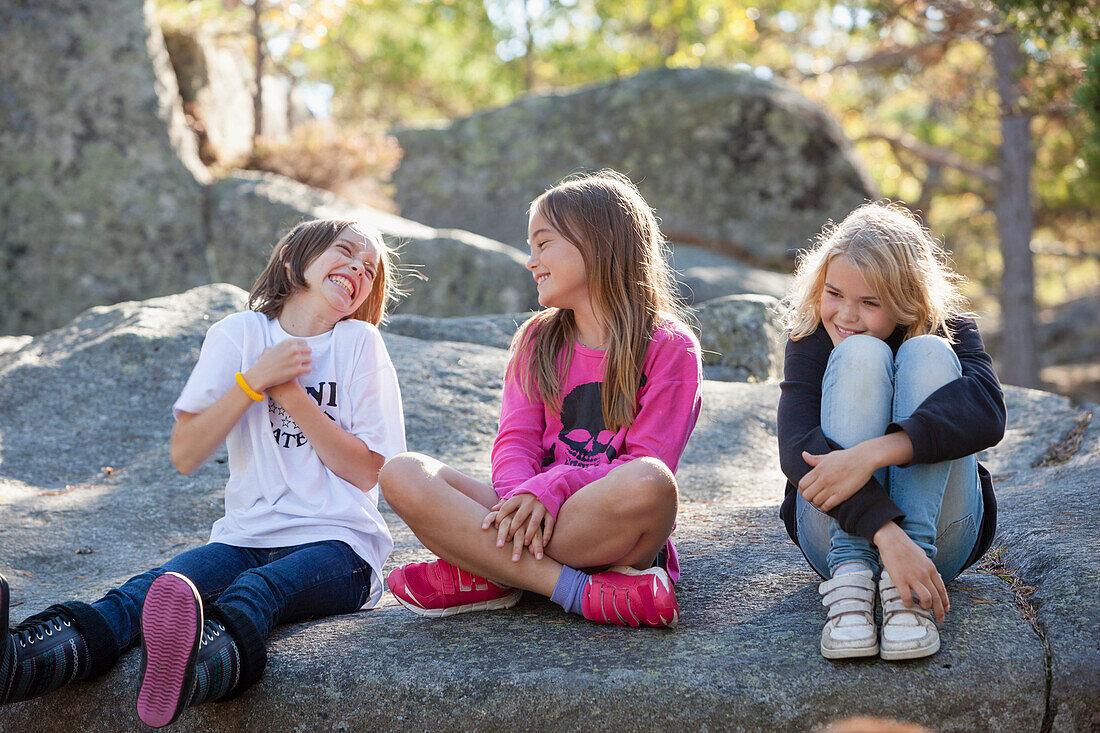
(490, 330)
(703, 275)
(100, 192)
(1069, 346)
(103, 197)
(216, 81)
(88, 497)
(740, 338)
(729, 161)
(739, 335)
(448, 272)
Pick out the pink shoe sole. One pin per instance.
(171, 628)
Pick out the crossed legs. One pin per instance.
(623, 518)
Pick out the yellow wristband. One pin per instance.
(253, 394)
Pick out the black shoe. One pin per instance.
(51, 649)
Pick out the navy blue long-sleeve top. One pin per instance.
(962, 417)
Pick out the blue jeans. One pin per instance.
(270, 586)
(863, 391)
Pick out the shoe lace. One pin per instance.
(37, 630)
(211, 631)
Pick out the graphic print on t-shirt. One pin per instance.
(286, 431)
(583, 431)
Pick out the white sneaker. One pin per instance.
(850, 630)
(907, 633)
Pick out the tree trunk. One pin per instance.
(258, 92)
(933, 179)
(1020, 365)
(291, 121)
(529, 56)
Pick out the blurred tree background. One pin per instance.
(981, 115)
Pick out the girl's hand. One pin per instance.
(281, 393)
(281, 363)
(523, 521)
(911, 570)
(835, 477)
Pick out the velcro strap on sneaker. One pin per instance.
(849, 606)
(890, 607)
(467, 581)
(890, 593)
(447, 573)
(850, 580)
(862, 595)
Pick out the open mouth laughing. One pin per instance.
(344, 282)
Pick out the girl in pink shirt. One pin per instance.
(601, 393)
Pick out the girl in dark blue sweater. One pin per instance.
(887, 397)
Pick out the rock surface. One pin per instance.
(495, 330)
(703, 275)
(215, 85)
(216, 80)
(95, 148)
(740, 338)
(738, 335)
(737, 164)
(97, 166)
(104, 198)
(88, 497)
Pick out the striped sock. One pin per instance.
(215, 673)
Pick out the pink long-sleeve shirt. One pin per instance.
(554, 454)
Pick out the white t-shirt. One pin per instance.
(279, 493)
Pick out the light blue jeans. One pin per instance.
(865, 389)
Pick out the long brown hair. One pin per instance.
(629, 281)
(299, 248)
(901, 261)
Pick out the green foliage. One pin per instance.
(404, 60)
(1053, 18)
(1088, 98)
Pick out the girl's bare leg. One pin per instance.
(445, 509)
(623, 518)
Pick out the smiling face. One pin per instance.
(340, 278)
(849, 306)
(558, 267)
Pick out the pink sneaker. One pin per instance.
(627, 597)
(438, 588)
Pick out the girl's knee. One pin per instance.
(861, 349)
(859, 362)
(400, 478)
(927, 350)
(927, 360)
(650, 485)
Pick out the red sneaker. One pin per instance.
(627, 597)
(438, 588)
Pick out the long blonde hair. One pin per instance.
(284, 273)
(628, 279)
(900, 260)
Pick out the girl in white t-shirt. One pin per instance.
(302, 392)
